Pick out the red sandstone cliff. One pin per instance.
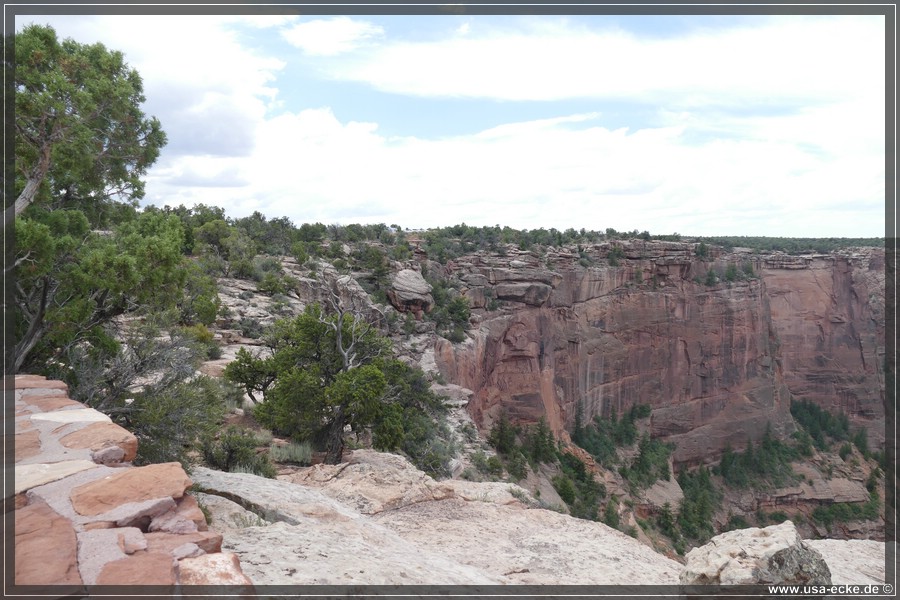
(716, 363)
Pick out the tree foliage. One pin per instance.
(820, 423)
(71, 281)
(82, 145)
(326, 372)
(81, 138)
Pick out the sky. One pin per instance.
(701, 125)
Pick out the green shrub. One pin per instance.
(200, 336)
(841, 512)
(540, 446)
(168, 423)
(234, 448)
(456, 335)
(296, 453)
(565, 488)
(701, 499)
(755, 466)
(260, 468)
(206, 308)
(243, 269)
(861, 441)
(736, 522)
(665, 520)
(494, 466)
(820, 423)
(517, 466)
(651, 464)
(267, 264)
(872, 481)
(272, 284)
(251, 328)
(845, 451)
(614, 255)
(503, 435)
(731, 272)
(611, 513)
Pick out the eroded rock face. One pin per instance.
(716, 363)
(828, 313)
(773, 555)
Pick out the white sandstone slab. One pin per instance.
(76, 415)
(29, 476)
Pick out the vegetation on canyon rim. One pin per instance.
(108, 295)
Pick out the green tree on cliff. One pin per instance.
(82, 145)
(325, 372)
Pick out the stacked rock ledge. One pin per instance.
(84, 515)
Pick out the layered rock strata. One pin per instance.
(85, 516)
(717, 363)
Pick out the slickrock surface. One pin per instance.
(852, 562)
(85, 516)
(378, 520)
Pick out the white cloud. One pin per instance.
(723, 157)
(792, 57)
(209, 91)
(311, 166)
(329, 37)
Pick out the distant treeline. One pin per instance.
(280, 236)
(791, 245)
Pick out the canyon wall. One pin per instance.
(571, 336)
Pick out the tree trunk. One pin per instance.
(35, 178)
(35, 330)
(334, 447)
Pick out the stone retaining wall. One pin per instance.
(85, 516)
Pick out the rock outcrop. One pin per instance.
(378, 520)
(717, 363)
(853, 562)
(772, 555)
(85, 516)
(409, 292)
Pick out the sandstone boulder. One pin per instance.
(772, 555)
(409, 292)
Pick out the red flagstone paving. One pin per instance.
(85, 515)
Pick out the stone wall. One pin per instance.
(85, 516)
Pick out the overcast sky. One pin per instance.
(702, 125)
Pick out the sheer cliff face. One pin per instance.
(829, 316)
(716, 363)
